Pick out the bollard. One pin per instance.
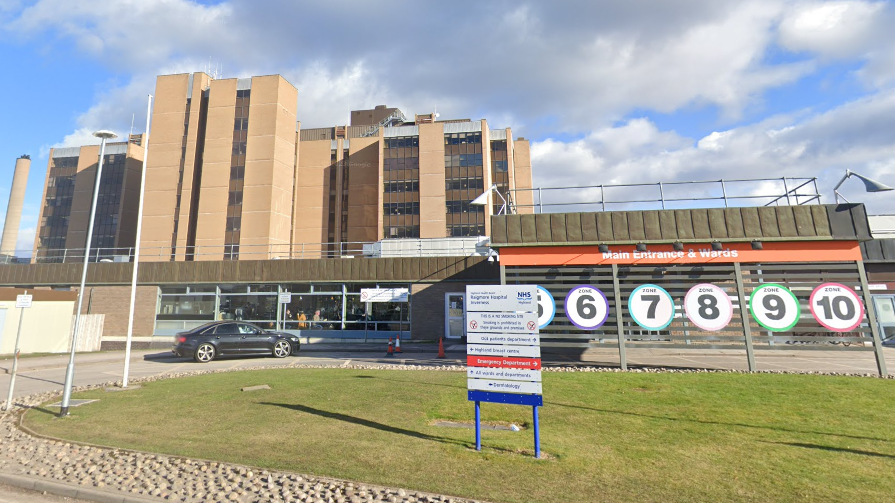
(390, 347)
(398, 343)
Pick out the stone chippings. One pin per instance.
(191, 480)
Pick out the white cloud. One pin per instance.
(835, 29)
(859, 136)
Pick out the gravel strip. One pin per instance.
(192, 480)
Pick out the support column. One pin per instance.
(622, 357)
(871, 320)
(744, 316)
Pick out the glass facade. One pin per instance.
(500, 174)
(186, 128)
(108, 202)
(400, 192)
(464, 181)
(237, 175)
(343, 190)
(57, 207)
(321, 306)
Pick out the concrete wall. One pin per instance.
(432, 198)
(46, 326)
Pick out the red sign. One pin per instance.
(693, 253)
(505, 363)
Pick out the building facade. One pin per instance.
(67, 197)
(233, 175)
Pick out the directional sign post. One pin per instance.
(22, 302)
(503, 351)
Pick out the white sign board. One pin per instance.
(501, 322)
(837, 307)
(285, 298)
(503, 350)
(651, 306)
(504, 386)
(522, 298)
(708, 307)
(774, 307)
(23, 301)
(383, 294)
(503, 374)
(586, 307)
(522, 339)
(546, 307)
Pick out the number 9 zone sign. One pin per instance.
(836, 307)
(651, 307)
(774, 307)
(708, 307)
(587, 307)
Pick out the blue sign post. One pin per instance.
(504, 363)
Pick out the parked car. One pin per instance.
(229, 338)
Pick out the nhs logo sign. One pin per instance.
(505, 298)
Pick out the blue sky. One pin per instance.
(608, 92)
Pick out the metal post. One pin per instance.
(130, 315)
(871, 320)
(540, 201)
(662, 195)
(747, 329)
(478, 426)
(786, 189)
(724, 193)
(537, 432)
(15, 360)
(622, 356)
(64, 253)
(602, 197)
(70, 369)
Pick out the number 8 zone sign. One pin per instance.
(587, 307)
(836, 307)
(708, 307)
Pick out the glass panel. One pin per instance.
(187, 305)
(885, 310)
(248, 307)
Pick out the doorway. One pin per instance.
(454, 316)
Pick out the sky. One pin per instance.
(607, 92)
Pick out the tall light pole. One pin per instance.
(130, 316)
(869, 184)
(103, 135)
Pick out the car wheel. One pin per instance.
(282, 349)
(205, 353)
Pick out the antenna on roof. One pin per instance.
(436, 114)
(133, 116)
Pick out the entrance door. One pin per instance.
(885, 316)
(454, 317)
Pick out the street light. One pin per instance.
(482, 200)
(130, 315)
(103, 135)
(869, 185)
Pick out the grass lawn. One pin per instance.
(606, 436)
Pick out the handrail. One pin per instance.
(757, 192)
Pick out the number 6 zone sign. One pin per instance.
(587, 307)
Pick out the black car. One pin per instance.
(229, 338)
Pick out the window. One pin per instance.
(401, 186)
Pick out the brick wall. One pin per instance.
(114, 301)
(427, 309)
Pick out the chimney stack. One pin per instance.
(14, 209)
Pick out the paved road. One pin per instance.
(10, 494)
(41, 374)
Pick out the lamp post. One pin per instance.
(130, 316)
(103, 135)
(482, 200)
(869, 184)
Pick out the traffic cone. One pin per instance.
(390, 347)
(398, 343)
(441, 347)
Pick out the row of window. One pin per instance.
(462, 138)
(462, 230)
(462, 160)
(401, 231)
(463, 207)
(402, 142)
(401, 186)
(404, 208)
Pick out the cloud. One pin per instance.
(859, 136)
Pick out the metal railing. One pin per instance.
(668, 195)
(344, 250)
